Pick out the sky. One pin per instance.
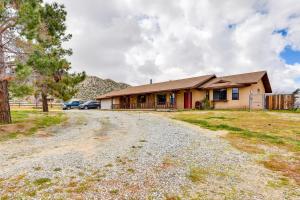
(133, 41)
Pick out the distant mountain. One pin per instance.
(94, 86)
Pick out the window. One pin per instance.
(142, 99)
(220, 94)
(161, 99)
(172, 98)
(235, 93)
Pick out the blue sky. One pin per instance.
(290, 56)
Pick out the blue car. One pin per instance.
(71, 104)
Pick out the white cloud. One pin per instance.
(134, 40)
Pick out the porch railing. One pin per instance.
(144, 106)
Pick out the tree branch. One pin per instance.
(9, 23)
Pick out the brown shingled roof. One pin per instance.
(160, 87)
(239, 80)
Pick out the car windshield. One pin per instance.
(87, 102)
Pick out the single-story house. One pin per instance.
(227, 92)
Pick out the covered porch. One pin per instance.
(162, 100)
(176, 99)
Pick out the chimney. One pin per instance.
(150, 81)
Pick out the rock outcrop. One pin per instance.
(94, 86)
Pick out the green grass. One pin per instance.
(21, 115)
(28, 122)
(41, 181)
(115, 191)
(130, 170)
(57, 169)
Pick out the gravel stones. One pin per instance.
(131, 155)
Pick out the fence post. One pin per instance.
(263, 101)
(249, 102)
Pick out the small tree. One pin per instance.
(48, 60)
(19, 20)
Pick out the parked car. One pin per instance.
(90, 105)
(71, 105)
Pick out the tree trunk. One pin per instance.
(5, 116)
(45, 102)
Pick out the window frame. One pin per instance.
(220, 94)
(142, 99)
(160, 102)
(235, 95)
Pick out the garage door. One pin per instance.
(105, 103)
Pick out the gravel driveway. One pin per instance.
(132, 155)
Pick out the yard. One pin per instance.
(150, 155)
(274, 136)
(27, 122)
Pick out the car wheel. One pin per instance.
(69, 107)
(85, 107)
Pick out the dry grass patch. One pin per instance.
(282, 182)
(249, 131)
(288, 168)
(244, 145)
(171, 197)
(197, 174)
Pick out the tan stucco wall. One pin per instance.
(243, 102)
(180, 99)
(197, 95)
(116, 100)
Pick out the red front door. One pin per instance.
(187, 100)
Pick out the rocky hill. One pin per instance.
(94, 86)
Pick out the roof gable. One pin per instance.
(239, 80)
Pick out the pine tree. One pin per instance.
(48, 60)
(19, 20)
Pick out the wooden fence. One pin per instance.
(280, 102)
(33, 105)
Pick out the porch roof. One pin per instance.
(172, 85)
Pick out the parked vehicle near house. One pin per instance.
(71, 104)
(90, 105)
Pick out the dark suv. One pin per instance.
(90, 105)
(71, 104)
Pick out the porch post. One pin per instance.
(154, 101)
(175, 99)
